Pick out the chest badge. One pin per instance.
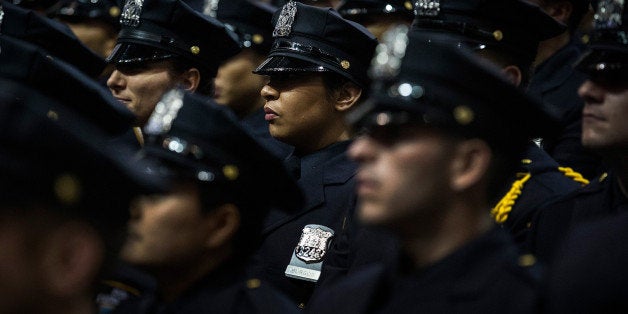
(309, 254)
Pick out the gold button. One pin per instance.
(301, 305)
(258, 39)
(527, 260)
(114, 11)
(603, 176)
(526, 161)
(463, 115)
(195, 50)
(585, 39)
(231, 172)
(253, 283)
(67, 189)
(408, 5)
(529, 225)
(52, 115)
(345, 64)
(498, 35)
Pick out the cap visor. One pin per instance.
(279, 64)
(135, 53)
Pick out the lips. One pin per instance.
(270, 114)
(592, 116)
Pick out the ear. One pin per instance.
(223, 223)
(560, 11)
(347, 96)
(513, 74)
(72, 257)
(190, 79)
(470, 164)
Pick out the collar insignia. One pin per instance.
(131, 13)
(608, 14)
(286, 18)
(427, 7)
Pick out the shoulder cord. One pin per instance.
(502, 209)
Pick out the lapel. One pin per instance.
(332, 167)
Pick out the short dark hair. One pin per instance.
(503, 58)
(580, 8)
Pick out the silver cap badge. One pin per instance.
(608, 14)
(210, 7)
(389, 53)
(131, 13)
(427, 7)
(286, 18)
(165, 112)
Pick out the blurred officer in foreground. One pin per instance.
(378, 16)
(65, 188)
(317, 68)
(94, 22)
(163, 44)
(52, 36)
(506, 33)
(196, 239)
(603, 131)
(236, 86)
(556, 83)
(439, 136)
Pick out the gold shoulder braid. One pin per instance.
(570, 173)
(504, 207)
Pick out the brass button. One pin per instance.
(195, 50)
(253, 283)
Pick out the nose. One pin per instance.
(362, 149)
(591, 93)
(116, 81)
(269, 93)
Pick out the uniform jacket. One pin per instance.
(556, 83)
(545, 185)
(603, 197)
(258, 126)
(589, 274)
(483, 276)
(327, 181)
(226, 290)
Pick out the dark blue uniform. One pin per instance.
(556, 83)
(480, 277)
(259, 129)
(545, 185)
(551, 225)
(590, 273)
(327, 180)
(225, 290)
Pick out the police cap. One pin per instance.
(106, 11)
(608, 44)
(162, 29)
(450, 88)
(251, 20)
(312, 39)
(514, 26)
(356, 10)
(53, 36)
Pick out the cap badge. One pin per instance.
(131, 13)
(389, 52)
(286, 18)
(608, 14)
(165, 112)
(427, 7)
(210, 7)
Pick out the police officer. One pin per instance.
(438, 139)
(378, 16)
(95, 23)
(196, 239)
(236, 86)
(66, 188)
(602, 132)
(317, 68)
(163, 44)
(52, 36)
(508, 34)
(556, 82)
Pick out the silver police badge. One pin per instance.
(307, 257)
(131, 13)
(165, 112)
(608, 14)
(427, 7)
(210, 7)
(286, 18)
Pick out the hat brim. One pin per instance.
(285, 64)
(128, 53)
(604, 60)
